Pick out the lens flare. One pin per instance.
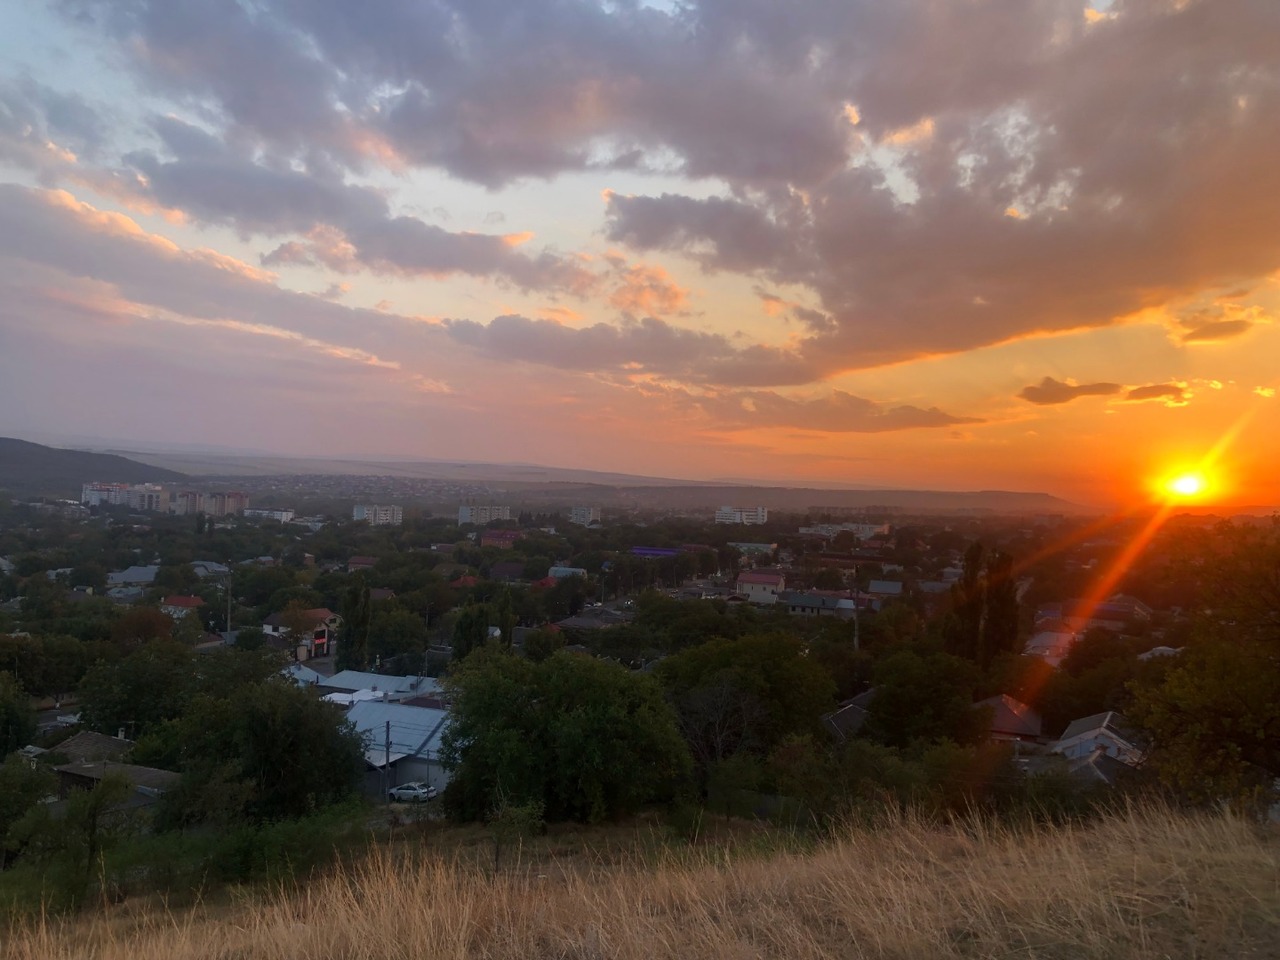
(1187, 485)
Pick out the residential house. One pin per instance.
(847, 719)
(402, 743)
(761, 586)
(147, 784)
(507, 570)
(561, 573)
(383, 687)
(503, 539)
(1107, 732)
(319, 632)
(1012, 720)
(88, 746)
(208, 569)
(303, 675)
(357, 564)
(178, 606)
(817, 604)
(1051, 642)
(134, 576)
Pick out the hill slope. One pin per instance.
(30, 469)
(1134, 886)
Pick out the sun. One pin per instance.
(1186, 485)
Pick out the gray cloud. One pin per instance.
(45, 130)
(838, 412)
(1173, 394)
(1013, 169)
(1213, 330)
(1050, 391)
(639, 346)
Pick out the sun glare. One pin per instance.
(1186, 485)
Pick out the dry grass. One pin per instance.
(1143, 884)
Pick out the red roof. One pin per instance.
(760, 576)
(189, 603)
(544, 583)
(467, 581)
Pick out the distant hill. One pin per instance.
(537, 484)
(30, 469)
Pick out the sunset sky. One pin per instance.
(1026, 245)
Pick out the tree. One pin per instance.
(90, 822)
(140, 626)
(586, 739)
(828, 578)
(923, 696)
(21, 787)
(357, 612)
(17, 719)
(968, 600)
(769, 684)
(1214, 722)
(470, 630)
(149, 686)
(1000, 613)
(267, 751)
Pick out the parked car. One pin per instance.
(412, 793)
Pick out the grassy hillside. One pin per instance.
(30, 469)
(1150, 884)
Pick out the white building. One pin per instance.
(480, 515)
(149, 497)
(284, 515)
(378, 515)
(584, 516)
(761, 586)
(97, 494)
(746, 515)
(860, 530)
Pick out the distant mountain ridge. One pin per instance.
(608, 488)
(31, 469)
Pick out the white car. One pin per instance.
(412, 793)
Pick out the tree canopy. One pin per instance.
(586, 739)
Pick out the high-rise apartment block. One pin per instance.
(584, 516)
(748, 515)
(378, 515)
(481, 515)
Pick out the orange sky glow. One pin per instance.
(902, 245)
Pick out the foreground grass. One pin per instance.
(1140, 884)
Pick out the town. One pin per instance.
(160, 646)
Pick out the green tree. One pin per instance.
(999, 632)
(746, 693)
(149, 686)
(470, 629)
(17, 719)
(586, 739)
(22, 786)
(1214, 722)
(924, 696)
(357, 613)
(968, 600)
(140, 626)
(267, 751)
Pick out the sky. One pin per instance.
(980, 244)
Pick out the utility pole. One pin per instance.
(386, 763)
(857, 640)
